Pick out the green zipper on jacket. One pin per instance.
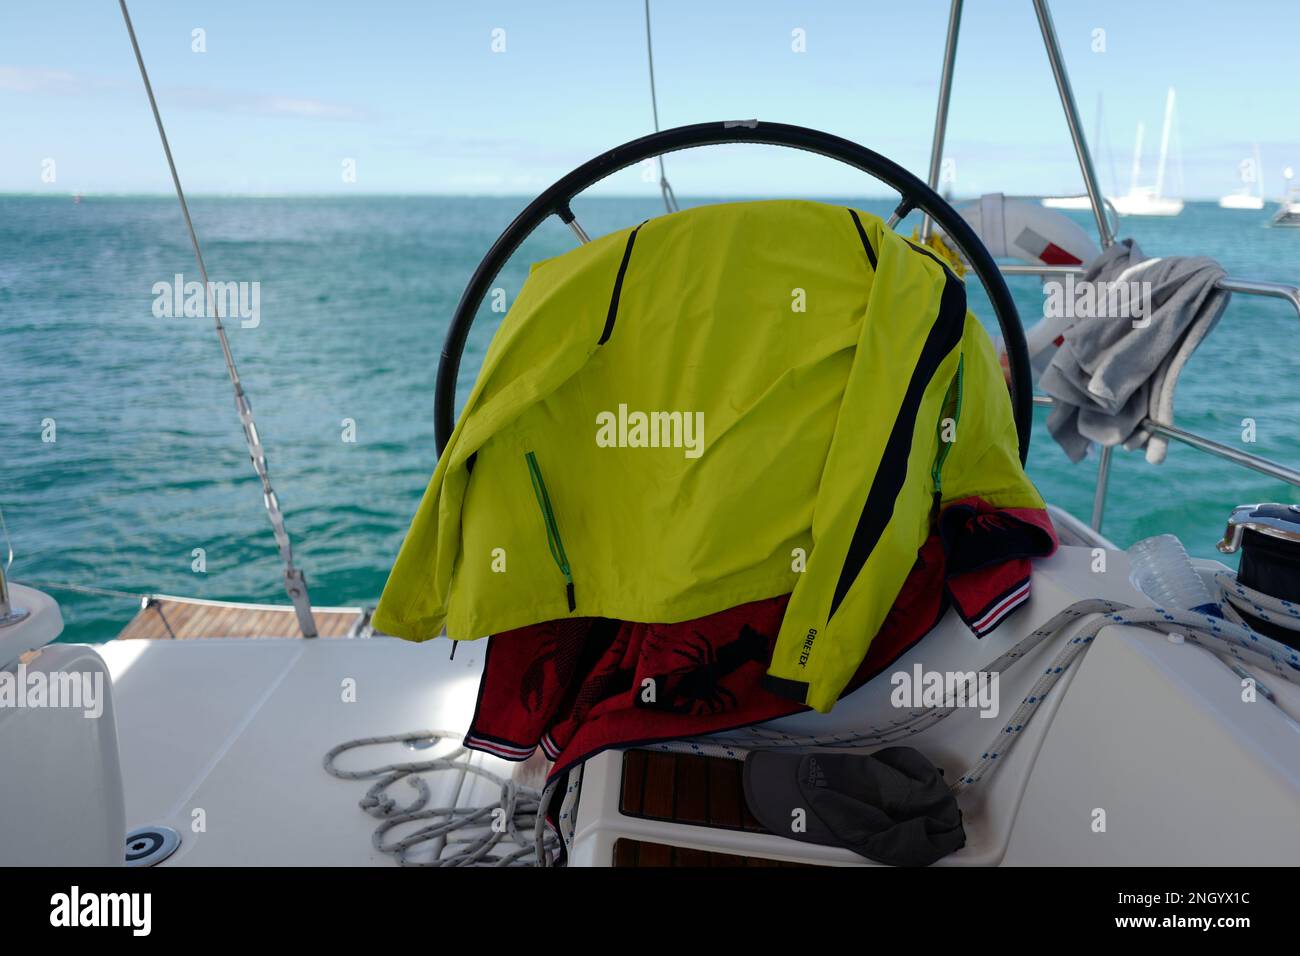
(946, 446)
(552, 530)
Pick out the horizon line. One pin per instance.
(59, 194)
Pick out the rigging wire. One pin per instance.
(85, 589)
(665, 189)
(294, 580)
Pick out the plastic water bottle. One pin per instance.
(1164, 573)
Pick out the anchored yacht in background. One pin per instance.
(1251, 193)
(1142, 200)
(1151, 200)
(1288, 210)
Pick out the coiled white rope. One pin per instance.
(1237, 596)
(568, 816)
(469, 836)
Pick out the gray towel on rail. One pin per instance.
(1112, 372)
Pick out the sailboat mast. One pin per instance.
(1110, 151)
(1137, 160)
(1164, 143)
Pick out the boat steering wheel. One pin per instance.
(915, 195)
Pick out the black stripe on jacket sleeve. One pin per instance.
(795, 690)
(944, 336)
(862, 234)
(618, 287)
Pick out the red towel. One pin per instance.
(577, 686)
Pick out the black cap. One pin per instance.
(891, 806)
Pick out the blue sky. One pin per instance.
(413, 92)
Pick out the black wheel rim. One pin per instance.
(916, 195)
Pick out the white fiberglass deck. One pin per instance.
(1155, 732)
(238, 729)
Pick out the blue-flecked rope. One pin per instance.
(909, 722)
(1227, 637)
(1214, 634)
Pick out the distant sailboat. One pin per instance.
(1245, 197)
(1150, 200)
(1139, 200)
(1083, 202)
(1288, 211)
(1067, 202)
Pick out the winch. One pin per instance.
(1269, 538)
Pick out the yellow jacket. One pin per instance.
(720, 405)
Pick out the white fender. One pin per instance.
(1016, 229)
(1033, 235)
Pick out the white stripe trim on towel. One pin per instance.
(499, 750)
(1004, 607)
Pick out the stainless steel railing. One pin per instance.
(1276, 290)
(1266, 466)
(1106, 234)
(1258, 463)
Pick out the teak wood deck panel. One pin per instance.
(685, 788)
(190, 619)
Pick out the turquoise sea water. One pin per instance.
(149, 462)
